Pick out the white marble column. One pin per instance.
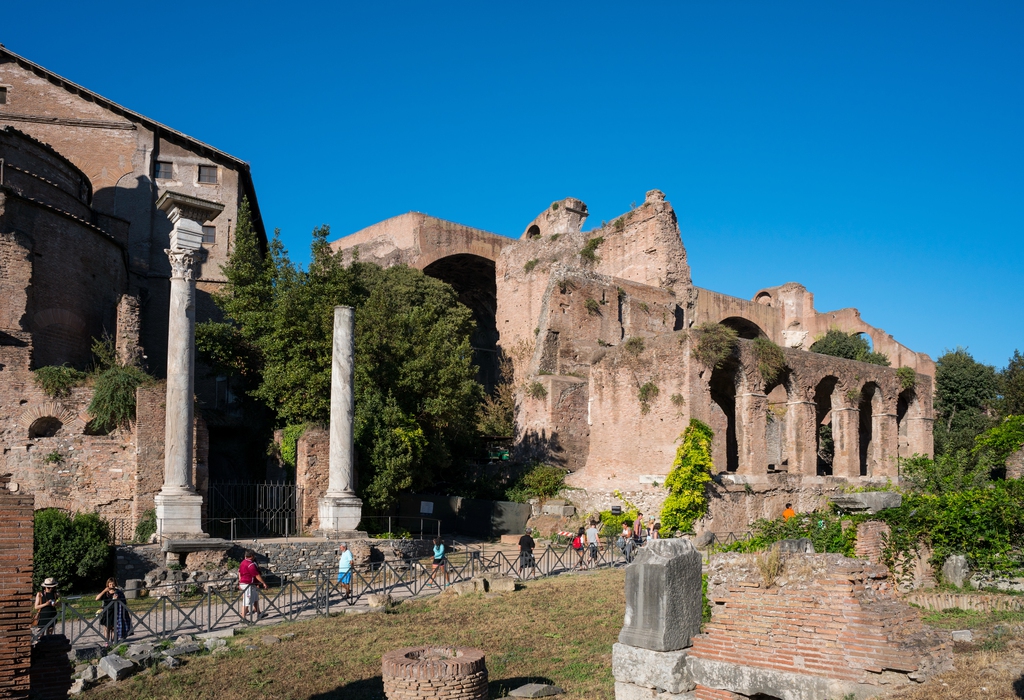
(178, 506)
(340, 509)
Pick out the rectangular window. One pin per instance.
(3, 95)
(164, 170)
(208, 174)
(209, 234)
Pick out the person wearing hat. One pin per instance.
(46, 606)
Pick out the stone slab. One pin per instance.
(535, 690)
(77, 687)
(90, 674)
(963, 636)
(663, 596)
(501, 584)
(115, 667)
(170, 662)
(197, 545)
(183, 649)
(956, 570)
(754, 680)
(628, 691)
(868, 501)
(217, 634)
(83, 653)
(665, 671)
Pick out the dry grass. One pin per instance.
(559, 629)
(770, 564)
(978, 675)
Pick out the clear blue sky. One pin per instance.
(871, 151)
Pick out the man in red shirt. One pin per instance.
(250, 581)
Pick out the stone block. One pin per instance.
(535, 690)
(270, 639)
(379, 600)
(868, 501)
(132, 588)
(663, 596)
(956, 570)
(501, 584)
(665, 671)
(217, 634)
(170, 662)
(963, 636)
(116, 667)
(90, 674)
(183, 649)
(83, 653)
(628, 691)
(213, 644)
(77, 687)
(704, 539)
(800, 545)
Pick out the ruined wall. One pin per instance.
(16, 527)
(1015, 465)
(826, 627)
(312, 473)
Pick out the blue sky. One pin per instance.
(871, 151)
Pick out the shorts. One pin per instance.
(593, 551)
(526, 560)
(345, 577)
(250, 594)
(440, 562)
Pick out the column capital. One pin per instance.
(188, 214)
(183, 263)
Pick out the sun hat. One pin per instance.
(50, 582)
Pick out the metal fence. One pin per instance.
(192, 607)
(255, 509)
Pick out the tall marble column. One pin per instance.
(178, 506)
(340, 510)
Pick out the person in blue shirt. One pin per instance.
(345, 569)
(439, 562)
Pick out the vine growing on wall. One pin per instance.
(771, 362)
(692, 469)
(907, 377)
(57, 382)
(712, 343)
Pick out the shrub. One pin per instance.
(678, 400)
(634, 346)
(543, 481)
(823, 528)
(589, 251)
(554, 236)
(953, 471)
(692, 469)
(646, 394)
(592, 307)
(530, 264)
(113, 402)
(54, 457)
(770, 565)
(603, 343)
(537, 390)
(852, 346)
(56, 382)
(611, 525)
(644, 307)
(713, 342)
(75, 552)
(771, 362)
(996, 444)
(554, 206)
(290, 443)
(619, 225)
(907, 377)
(622, 293)
(146, 526)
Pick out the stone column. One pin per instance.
(884, 444)
(846, 437)
(751, 424)
(801, 437)
(340, 509)
(178, 506)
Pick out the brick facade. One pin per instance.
(312, 459)
(434, 673)
(51, 668)
(16, 527)
(870, 540)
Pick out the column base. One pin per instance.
(340, 513)
(179, 515)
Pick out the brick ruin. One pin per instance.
(562, 303)
(822, 626)
(16, 528)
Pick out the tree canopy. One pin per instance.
(965, 391)
(852, 346)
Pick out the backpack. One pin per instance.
(576, 543)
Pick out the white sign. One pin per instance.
(426, 507)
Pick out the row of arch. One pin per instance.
(834, 429)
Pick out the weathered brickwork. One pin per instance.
(437, 673)
(825, 616)
(870, 540)
(311, 473)
(16, 527)
(51, 668)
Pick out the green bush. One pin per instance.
(539, 481)
(56, 382)
(646, 394)
(75, 552)
(713, 342)
(113, 401)
(611, 525)
(146, 526)
(290, 444)
(852, 346)
(771, 362)
(907, 377)
(953, 471)
(537, 390)
(823, 528)
(996, 444)
(593, 308)
(530, 264)
(634, 345)
(589, 251)
(692, 469)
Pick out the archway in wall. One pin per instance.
(870, 396)
(746, 328)
(823, 424)
(723, 394)
(904, 403)
(45, 426)
(775, 424)
(473, 278)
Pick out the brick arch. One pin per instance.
(55, 410)
(49, 317)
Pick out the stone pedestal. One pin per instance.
(340, 515)
(663, 596)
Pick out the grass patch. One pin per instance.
(536, 633)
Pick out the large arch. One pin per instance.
(723, 398)
(473, 278)
(870, 411)
(746, 328)
(824, 444)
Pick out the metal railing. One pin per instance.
(189, 607)
(383, 524)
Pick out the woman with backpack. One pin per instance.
(579, 545)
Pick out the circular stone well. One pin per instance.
(445, 673)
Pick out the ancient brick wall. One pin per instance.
(16, 527)
(51, 669)
(870, 540)
(825, 616)
(422, 673)
(312, 472)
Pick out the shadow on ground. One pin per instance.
(501, 688)
(1018, 687)
(373, 688)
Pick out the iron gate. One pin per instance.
(239, 510)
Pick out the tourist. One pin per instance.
(526, 560)
(655, 531)
(626, 542)
(114, 614)
(638, 528)
(593, 543)
(789, 512)
(250, 580)
(46, 606)
(345, 569)
(440, 561)
(579, 544)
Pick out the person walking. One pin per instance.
(250, 580)
(345, 569)
(789, 512)
(526, 560)
(440, 562)
(46, 606)
(114, 614)
(655, 532)
(639, 532)
(579, 545)
(593, 544)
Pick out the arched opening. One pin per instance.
(44, 426)
(533, 231)
(748, 330)
(869, 396)
(775, 423)
(473, 278)
(764, 298)
(723, 396)
(904, 402)
(824, 446)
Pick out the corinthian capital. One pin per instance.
(182, 263)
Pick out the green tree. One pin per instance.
(687, 482)
(949, 472)
(75, 552)
(965, 391)
(1012, 386)
(852, 346)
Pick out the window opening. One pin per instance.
(208, 174)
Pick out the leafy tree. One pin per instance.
(497, 414)
(949, 472)
(75, 552)
(1012, 386)
(852, 346)
(965, 391)
(993, 446)
(687, 482)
